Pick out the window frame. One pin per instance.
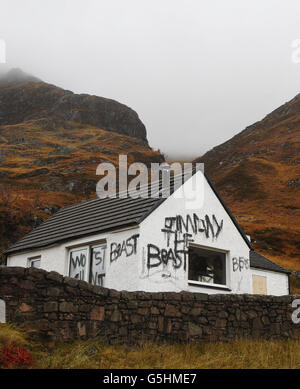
(210, 285)
(75, 248)
(261, 277)
(36, 258)
(88, 246)
(91, 247)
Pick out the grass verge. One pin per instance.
(239, 354)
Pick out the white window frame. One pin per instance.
(209, 284)
(36, 258)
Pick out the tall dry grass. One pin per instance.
(239, 354)
(11, 334)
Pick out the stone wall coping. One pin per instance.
(59, 280)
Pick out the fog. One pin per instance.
(197, 72)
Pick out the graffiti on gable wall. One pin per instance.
(178, 232)
(240, 263)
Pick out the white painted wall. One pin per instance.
(277, 283)
(121, 274)
(229, 239)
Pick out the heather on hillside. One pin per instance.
(51, 142)
(257, 173)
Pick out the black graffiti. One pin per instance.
(98, 258)
(193, 224)
(78, 263)
(157, 256)
(128, 246)
(240, 263)
(179, 232)
(181, 247)
(97, 279)
(97, 269)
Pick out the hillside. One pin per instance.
(51, 142)
(257, 172)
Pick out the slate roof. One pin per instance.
(260, 262)
(87, 218)
(100, 215)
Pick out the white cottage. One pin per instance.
(152, 244)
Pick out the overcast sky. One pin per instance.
(196, 71)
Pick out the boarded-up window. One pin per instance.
(88, 264)
(78, 264)
(97, 268)
(259, 284)
(2, 311)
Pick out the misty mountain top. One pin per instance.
(25, 97)
(16, 75)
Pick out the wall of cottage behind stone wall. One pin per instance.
(63, 308)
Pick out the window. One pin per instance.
(259, 284)
(97, 268)
(78, 263)
(88, 264)
(207, 266)
(34, 262)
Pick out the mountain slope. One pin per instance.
(51, 142)
(257, 172)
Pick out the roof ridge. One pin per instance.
(140, 191)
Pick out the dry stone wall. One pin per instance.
(63, 308)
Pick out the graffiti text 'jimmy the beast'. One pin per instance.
(180, 231)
